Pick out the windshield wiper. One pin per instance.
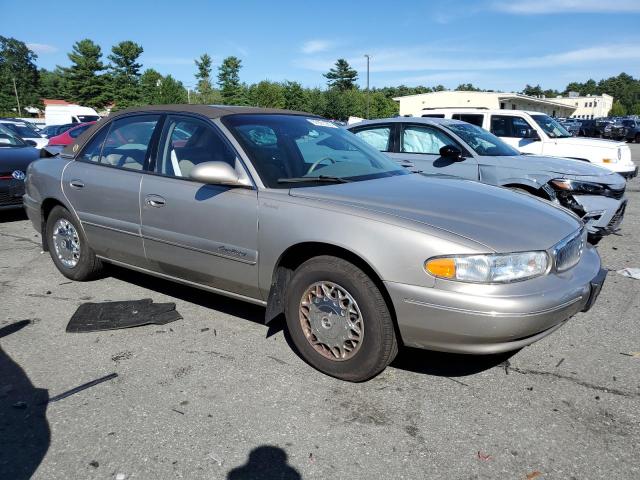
(319, 178)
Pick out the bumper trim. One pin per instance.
(596, 287)
(494, 314)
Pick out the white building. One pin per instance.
(591, 106)
(413, 105)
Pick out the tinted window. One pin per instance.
(550, 126)
(481, 141)
(469, 118)
(186, 142)
(434, 115)
(292, 150)
(75, 133)
(377, 137)
(128, 140)
(509, 126)
(92, 150)
(422, 139)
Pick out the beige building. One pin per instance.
(413, 105)
(591, 106)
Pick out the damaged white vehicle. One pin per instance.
(452, 147)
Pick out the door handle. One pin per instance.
(77, 184)
(155, 201)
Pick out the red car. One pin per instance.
(68, 137)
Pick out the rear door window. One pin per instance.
(379, 137)
(472, 118)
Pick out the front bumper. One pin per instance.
(630, 173)
(487, 319)
(603, 214)
(33, 211)
(11, 192)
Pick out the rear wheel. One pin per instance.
(69, 248)
(338, 319)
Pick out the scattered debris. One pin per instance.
(312, 459)
(91, 317)
(534, 474)
(276, 359)
(484, 457)
(506, 364)
(177, 411)
(204, 329)
(121, 476)
(84, 386)
(219, 462)
(630, 272)
(560, 362)
(121, 356)
(94, 464)
(457, 381)
(530, 389)
(632, 354)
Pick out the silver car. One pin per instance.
(288, 211)
(452, 147)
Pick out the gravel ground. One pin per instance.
(220, 395)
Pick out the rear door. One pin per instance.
(420, 144)
(103, 186)
(207, 234)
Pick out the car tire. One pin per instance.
(320, 292)
(69, 248)
(637, 137)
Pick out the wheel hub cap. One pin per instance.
(66, 243)
(331, 321)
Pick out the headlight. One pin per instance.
(491, 268)
(576, 186)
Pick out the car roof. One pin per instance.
(209, 111)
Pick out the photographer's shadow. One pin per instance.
(265, 463)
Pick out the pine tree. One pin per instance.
(342, 77)
(229, 81)
(125, 73)
(205, 91)
(82, 80)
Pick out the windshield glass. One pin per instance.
(88, 118)
(285, 147)
(22, 130)
(9, 138)
(552, 128)
(481, 141)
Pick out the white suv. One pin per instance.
(539, 134)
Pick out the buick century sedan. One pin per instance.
(288, 211)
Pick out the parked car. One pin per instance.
(68, 136)
(289, 211)
(539, 134)
(453, 147)
(632, 129)
(24, 131)
(15, 157)
(592, 128)
(614, 130)
(572, 125)
(61, 114)
(55, 130)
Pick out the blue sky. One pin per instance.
(499, 44)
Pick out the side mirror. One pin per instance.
(451, 152)
(216, 173)
(31, 143)
(531, 134)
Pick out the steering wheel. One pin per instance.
(317, 162)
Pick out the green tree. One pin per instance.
(205, 92)
(150, 83)
(83, 82)
(171, 91)
(52, 83)
(266, 94)
(342, 77)
(231, 90)
(295, 97)
(635, 109)
(618, 109)
(316, 101)
(17, 63)
(468, 87)
(125, 73)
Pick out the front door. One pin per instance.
(420, 146)
(205, 234)
(513, 129)
(103, 186)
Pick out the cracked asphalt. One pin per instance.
(220, 395)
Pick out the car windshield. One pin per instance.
(552, 128)
(22, 130)
(481, 141)
(9, 138)
(293, 150)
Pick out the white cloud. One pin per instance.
(426, 59)
(316, 46)
(537, 7)
(42, 48)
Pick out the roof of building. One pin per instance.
(500, 95)
(53, 101)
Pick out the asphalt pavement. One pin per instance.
(220, 395)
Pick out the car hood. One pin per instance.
(495, 217)
(566, 166)
(589, 142)
(17, 158)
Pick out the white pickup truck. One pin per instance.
(539, 134)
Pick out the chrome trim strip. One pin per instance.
(199, 250)
(218, 291)
(493, 314)
(113, 229)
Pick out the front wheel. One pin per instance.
(338, 319)
(69, 248)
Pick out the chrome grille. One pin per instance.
(567, 253)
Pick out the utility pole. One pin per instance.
(367, 56)
(188, 95)
(17, 98)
